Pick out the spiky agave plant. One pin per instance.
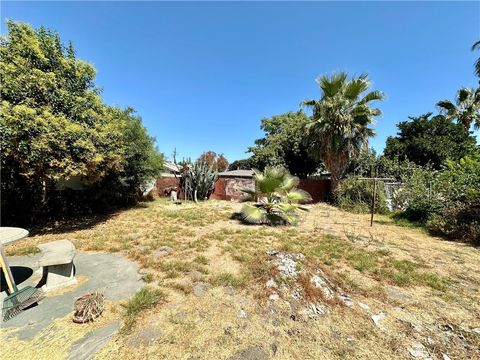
(276, 197)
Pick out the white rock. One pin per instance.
(346, 300)
(274, 297)
(476, 330)
(446, 357)
(419, 351)
(313, 310)
(364, 306)
(377, 317)
(242, 314)
(322, 285)
(271, 283)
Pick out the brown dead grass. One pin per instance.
(440, 279)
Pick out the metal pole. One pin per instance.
(373, 200)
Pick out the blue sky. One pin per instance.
(203, 74)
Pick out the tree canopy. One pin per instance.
(217, 162)
(55, 125)
(424, 140)
(284, 145)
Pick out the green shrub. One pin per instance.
(355, 195)
(420, 196)
(459, 186)
(446, 201)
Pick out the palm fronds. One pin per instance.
(341, 119)
(278, 198)
(465, 110)
(476, 46)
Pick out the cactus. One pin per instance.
(198, 180)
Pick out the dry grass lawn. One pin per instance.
(428, 288)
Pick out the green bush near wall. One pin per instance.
(355, 195)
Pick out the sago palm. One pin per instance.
(341, 121)
(277, 198)
(466, 109)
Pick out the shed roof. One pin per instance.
(171, 167)
(237, 173)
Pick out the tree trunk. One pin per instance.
(336, 165)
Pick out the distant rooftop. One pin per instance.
(169, 166)
(237, 173)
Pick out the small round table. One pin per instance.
(9, 235)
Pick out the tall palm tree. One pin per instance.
(466, 109)
(477, 63)
(339, 128)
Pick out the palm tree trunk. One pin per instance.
(336, 165)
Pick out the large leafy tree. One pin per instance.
(424, 140)
(142, 160)
(465, 110)
(243, 164)
(341, 123)
(284, 145)
(54, 124)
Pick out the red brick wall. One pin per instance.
(219, 191)
(227, 188)
(166, 182)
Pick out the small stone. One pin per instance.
(347, 301)
(274, 297)
(321, 284)
(143, 271)
(229, 290)
(418, 351)
(430, 341)
(446, 357)
(250, 353)
(271, 283)
(476, 330)
(162, 251)
(313, 310)
(228, 331)
(377, 317)
(242, 314)
(350, 339)
(200, 289)
(447, 327)
(364, 306)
